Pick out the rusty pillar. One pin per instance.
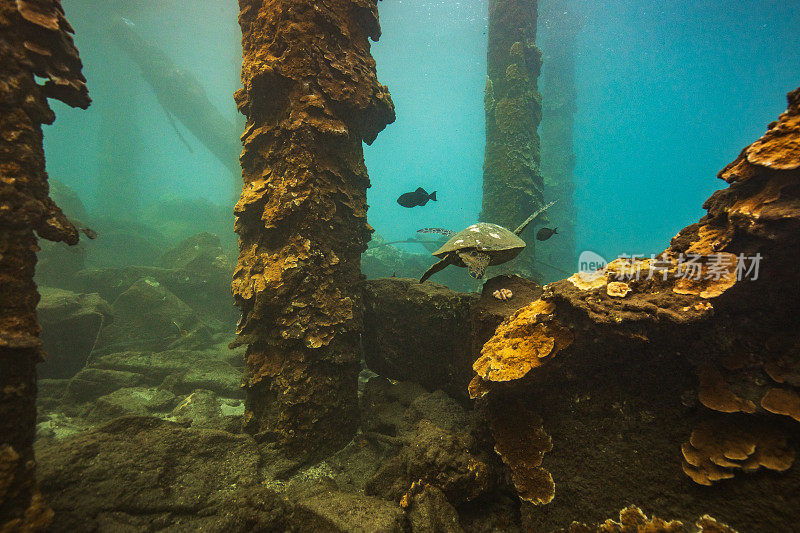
(311, 96)
(35, 41)
(513, 187)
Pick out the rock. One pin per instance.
(70, 326)
(110, 282)
(203, 276)
(121, 243)
(489, 312)
(147, 474)
(347, 511)
(419, 332)
(437, 439)
(180, 217)
(91, 383)
(197, 271)
(50, 392)
(181, 371)
(125, 402)
(145, 467)
(201, 409)
(147, 317)
(58, 265)
(436, 457)
(429, 511)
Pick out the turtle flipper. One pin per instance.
(476, 262)
(436, 267)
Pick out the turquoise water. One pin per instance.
(667, 94)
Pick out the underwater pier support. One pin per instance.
(513, 186)
(311, 96)
(35, 40)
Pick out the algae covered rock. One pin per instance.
(419, 332)
(202, 276)
(181, 371)
(91, 383)
(130, 401)
(143, 466)
(70, 325)
(148, 317)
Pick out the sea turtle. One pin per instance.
(479, 246)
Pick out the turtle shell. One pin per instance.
(501, 244)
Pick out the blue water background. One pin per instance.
(668, 93)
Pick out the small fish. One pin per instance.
(545, 233)
(418, 197)
(89, 232)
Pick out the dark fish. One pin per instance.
(418, 197)
(545, 233)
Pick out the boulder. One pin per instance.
(91, 383)
(143, 467)
(197, 271)
(202, 276)
(146, 474)
(70, 325)
(130, 401)
(347, 511)
(435, 443)
(57, 263)
(199, 409)
(419, 332)
(180, 371)
(148, 316)
(435, 457)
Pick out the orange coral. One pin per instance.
(779, 148)
(782, 402)
(589, 280)
(633, 520)
(478, 388)
(708, 524)
(712, 278)
(716, 449)
(521, 442)
(714, 393)
(618, 289)
(521, 343)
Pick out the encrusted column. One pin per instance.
(34, 40)
(311, 96)
(513, 187)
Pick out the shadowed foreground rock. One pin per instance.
(429, 334)
(35, 40)
(143, 474)
(671, 380)
(311, 97)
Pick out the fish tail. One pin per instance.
(433, 196)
